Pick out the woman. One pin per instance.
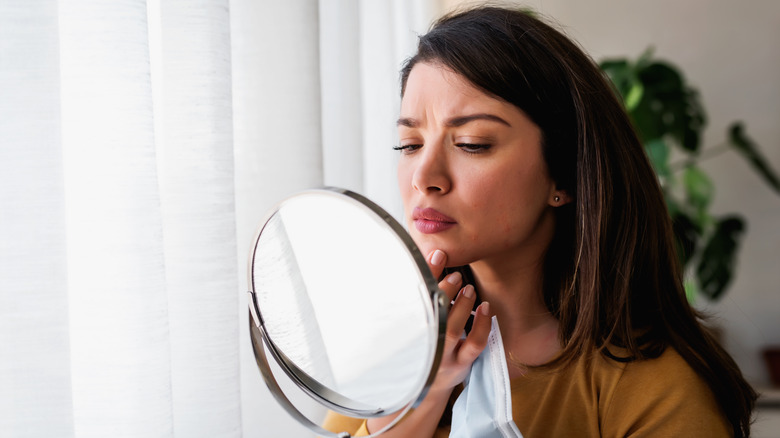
(519, 165)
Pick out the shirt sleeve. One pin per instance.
(663, 397)
(358, 427)
(339, 423)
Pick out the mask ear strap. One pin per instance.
(501, 383)
(484, 408)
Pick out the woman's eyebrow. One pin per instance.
(455, 121)
(462, 120)
(408, 122)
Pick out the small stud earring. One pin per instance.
(556, 198)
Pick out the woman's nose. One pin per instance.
(431, 176)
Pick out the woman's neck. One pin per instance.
(514, 290)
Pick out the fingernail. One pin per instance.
(437, 258)
(454, 278)
(468, 291)
(484, 308)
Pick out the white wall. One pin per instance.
(729, 51)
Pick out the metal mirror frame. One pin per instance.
(323, 395)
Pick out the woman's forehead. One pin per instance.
(433, 84)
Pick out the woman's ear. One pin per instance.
(559, 198)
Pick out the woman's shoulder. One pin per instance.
(618, 363)
(606, 396)
(662, 396)
(664, 376)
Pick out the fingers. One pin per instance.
(465, 351)
(436, 261)
(460, 312)
(478, 336)
(452, 282)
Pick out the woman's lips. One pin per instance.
(430, 221)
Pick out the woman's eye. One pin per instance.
(473, 148)
(407, 148)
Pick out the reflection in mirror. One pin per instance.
(344, 302)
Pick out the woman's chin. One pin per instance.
(427, 243)
(455, 256)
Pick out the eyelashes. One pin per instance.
(473, 148)
(469, 148)
(407, 148)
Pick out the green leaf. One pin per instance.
(658, 153)
(646, 58)
(749, 150)
(622, 75)
(634, 95)
(671, 204)
(693, 121)
(668, 107)
(699, 189)
(691, 291)
(716, 264)
(616, 68)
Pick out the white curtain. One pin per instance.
(141, 143)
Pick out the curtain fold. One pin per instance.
(195, 155)
(278, 151)
(34, 345)
(342, 109)
(118, 307)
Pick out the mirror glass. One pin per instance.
(345, 303)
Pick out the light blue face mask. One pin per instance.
(484, 408)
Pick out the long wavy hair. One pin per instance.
(611, 275)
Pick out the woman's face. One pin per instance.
(472, 176)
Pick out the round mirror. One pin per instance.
(344, 303)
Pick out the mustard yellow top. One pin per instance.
(660, 397)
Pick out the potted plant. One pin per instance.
(669, 119)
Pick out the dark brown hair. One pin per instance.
(611, 273)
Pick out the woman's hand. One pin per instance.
(459, 352)
(458, 355)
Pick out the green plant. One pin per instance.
(669, 118)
